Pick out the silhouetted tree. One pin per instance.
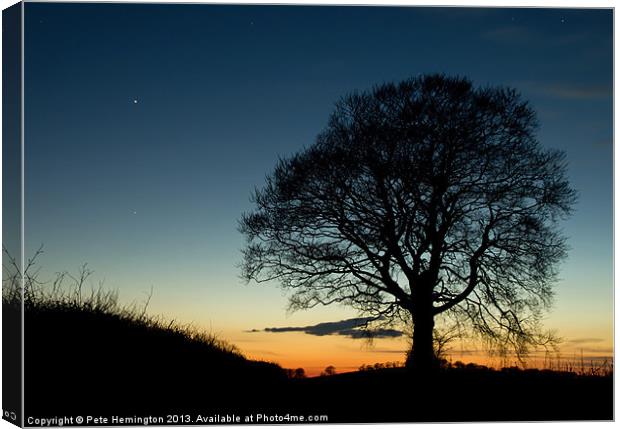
(296, 373)
(424, 198)
(329, 370)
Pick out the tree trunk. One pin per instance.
(422, 357)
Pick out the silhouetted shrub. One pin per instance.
(299, 373)
(328, 371)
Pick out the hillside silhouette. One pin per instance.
(89, 360)
(87, 355)
(86, 360)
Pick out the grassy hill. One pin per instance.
(88, 355)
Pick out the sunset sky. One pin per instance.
(148, 126)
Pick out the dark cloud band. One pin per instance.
(352, 328)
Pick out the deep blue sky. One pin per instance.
(149, 193)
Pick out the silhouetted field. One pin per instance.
(91, 357)
(461, 394)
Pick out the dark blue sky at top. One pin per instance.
(146, 191)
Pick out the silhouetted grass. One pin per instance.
(66, 297)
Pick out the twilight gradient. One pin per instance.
(148, 126)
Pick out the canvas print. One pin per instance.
(306, 214)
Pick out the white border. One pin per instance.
(452, 3)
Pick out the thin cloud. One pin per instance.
(266, 352)
(567, 90)
(466, 352)
(585, 340)
(578, 92)
(352, 328)
(597, 350)
(376, 350)
(371, 333)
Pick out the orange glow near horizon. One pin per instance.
(583, 321)
(315, 353)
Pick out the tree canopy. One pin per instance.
(421, 198)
